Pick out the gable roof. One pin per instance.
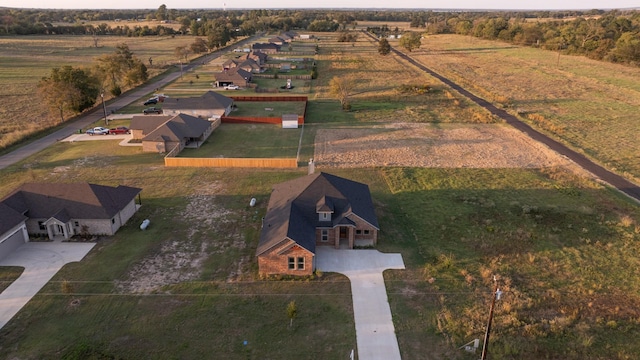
(9, 218)
(179, 127)
(66, 201)
(292, 209)
(210, 100)
(233, 73)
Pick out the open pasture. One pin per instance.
(590, 105)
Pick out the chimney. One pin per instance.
(311, 166)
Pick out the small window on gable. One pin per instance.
(358, 232)
(292, 263)
(325, 216)
(300, 263)
(366, 232)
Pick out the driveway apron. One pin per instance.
(375, 333)
(41, 261)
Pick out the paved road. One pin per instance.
(375, 333)
(98, 112)
(617, 181)
(41, 261)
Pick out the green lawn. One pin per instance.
(248, 141)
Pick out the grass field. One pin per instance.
(248, 141)
(564, 247)
(25, 60)
(588, 104)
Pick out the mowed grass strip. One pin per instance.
(248, 141)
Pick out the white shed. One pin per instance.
(289, 121)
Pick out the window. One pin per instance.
(358, 232)
(366, 232)
(324, 216)
(41, 225)
(77, 224)
(296, 263)
(113, 221)
(324, 235)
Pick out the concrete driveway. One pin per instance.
(41, 261)
(375, 334)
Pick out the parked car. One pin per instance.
(152, 110)
(98, 131)
(120, 130)
(232, 87)
(151, 101)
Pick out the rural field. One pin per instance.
(589, 105)
(461, 196)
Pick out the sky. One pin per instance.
(331, 4)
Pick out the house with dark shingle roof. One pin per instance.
(63, 210)
(315, 210)
(233, 76)
(267, 48)
(164, 133)
(210, 105)
(259, 57)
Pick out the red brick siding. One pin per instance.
(271, 263)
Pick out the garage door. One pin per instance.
(11, 243)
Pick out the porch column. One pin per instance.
(351, 236)
(336, 232)
(50, 232)
(25, 234)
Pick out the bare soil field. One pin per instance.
(432, 145)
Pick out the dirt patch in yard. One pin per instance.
(432, 145)
(181, 257)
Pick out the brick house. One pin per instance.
(259, 57)
(315, 210)
(164, 133)
(233, 76)
(63, 210)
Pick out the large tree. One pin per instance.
(411, 41)
(341, 87)
(121, 68)
(69, 89)
(383, 47)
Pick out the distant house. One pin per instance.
(259, 57)
(164, 133)
(277, 40)
(233, 76)
(231, 63)
(211, 105)
(63, 210)
(306, 36)
(315, 210)
(267, 48)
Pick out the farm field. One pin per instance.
(564, 246)
(587, 104)
(25, 60)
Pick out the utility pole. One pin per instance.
(104, 108)
(496, 296)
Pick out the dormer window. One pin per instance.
(324, 216)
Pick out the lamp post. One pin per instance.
(104, 108)
(496, 296)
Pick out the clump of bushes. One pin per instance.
(413, 88)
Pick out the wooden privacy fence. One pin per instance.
(232, 162)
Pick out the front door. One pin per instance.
(343, 233)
